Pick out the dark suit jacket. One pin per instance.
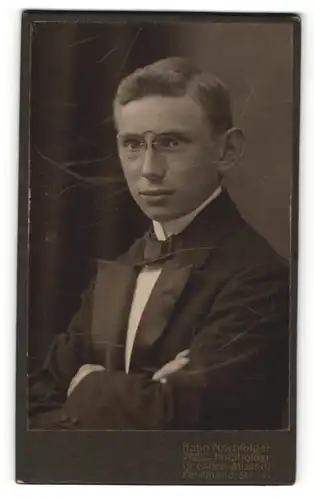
(224, 295)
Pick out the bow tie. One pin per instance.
(156, 250)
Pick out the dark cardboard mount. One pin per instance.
(142, 457)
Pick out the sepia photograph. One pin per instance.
(158, 246)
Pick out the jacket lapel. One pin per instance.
(112, 299)
(160, 307)
(161, 303)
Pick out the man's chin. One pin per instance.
(161, 214)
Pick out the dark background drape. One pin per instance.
(80, 208)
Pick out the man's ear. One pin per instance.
(231, 149)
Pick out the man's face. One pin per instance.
(168, 154)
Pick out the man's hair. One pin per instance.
(176, 77)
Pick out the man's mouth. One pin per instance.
(156, 192)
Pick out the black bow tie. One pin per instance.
(157, 251)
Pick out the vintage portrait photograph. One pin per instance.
(158, 225)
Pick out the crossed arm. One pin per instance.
(236, 369)
(160, 375)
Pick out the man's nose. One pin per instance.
(153, 167)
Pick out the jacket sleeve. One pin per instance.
(69, 350)
(237, 376)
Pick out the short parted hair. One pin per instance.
(176, 77)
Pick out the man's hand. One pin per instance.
(173, 366)
(82, 373)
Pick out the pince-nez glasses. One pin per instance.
(133, 144)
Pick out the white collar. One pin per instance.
(166, 229)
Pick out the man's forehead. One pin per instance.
(159, 114)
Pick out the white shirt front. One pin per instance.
(149, 275)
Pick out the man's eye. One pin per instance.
(169, 142)
(132, 144)
(172, 143)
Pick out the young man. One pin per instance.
(188, 329)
